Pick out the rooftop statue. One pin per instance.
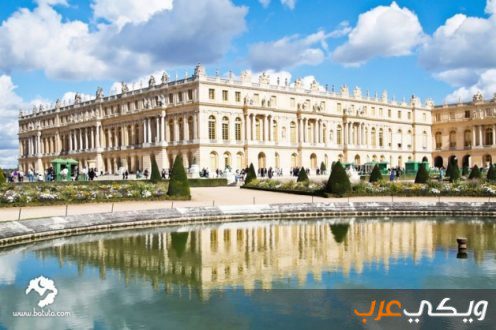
(151, 81)
(199, 71)
(314, 85)
(264, 79)
(165, 78)
(77, 98)
(298, 83)
(99, 93)
(478, 98)
(124, 88)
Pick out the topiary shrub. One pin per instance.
(323, 168)
(178, 183)
(155, 175)
(339, 232)
(251, 175)
(376, 174)
(338, 183)
(422, 174)
(491, 173)
(302, 175)
(465, 170)
(2, 177)
(449, 169)
(454, 171)
(475, 173)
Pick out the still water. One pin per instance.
(216, 276)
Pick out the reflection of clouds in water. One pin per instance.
(8, 267)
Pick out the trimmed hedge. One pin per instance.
(251, 175)
(491, 173)
(155, 175)
(178, 184)
(323, 167)
(338, 183)
(376, 174)
(475, 173)
(2, 177)
(302, 175)
(454, 171)
(422, 175)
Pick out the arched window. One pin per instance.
(294, 160)
(373, 137)
(275, 131)
(489, 137)
(439, 140)
(258, 129)
(277, 160)
(339, 136)
(331, 136)
(324, 134)
(237, 128)
(211, 127)
(181, 129)
(225, 128)
(424, 139)
(214, 162)
(191, 128)
(452, 139)
(227, 160)
(239, 160)
(381, 138)
(293, 132)
(467, 138)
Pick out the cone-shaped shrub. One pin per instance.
(491, 173)
(178, 183)
(2, 177)
(323, 167)
(302, 175)
(339, 231)
(155, 176)
(376, 174)
(465, 170)
(251, 175)
(475, 173)
(422, 174)
(455, 171)
(338, 183)
(449, 169)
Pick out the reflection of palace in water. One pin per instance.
(245, 254)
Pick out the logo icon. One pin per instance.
(41, 285)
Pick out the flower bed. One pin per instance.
(473, 188)
(49, 193)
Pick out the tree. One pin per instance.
(323, 168)
(491, 173)
(155, 175)
(339, 231)
(422, 174)
(251, 175)
(2, 177)
(465, 170)
(475, 173)
(455, 171)
(338, 183)
(302, 175)
(449, 169)
(178, 183)
(376, 174)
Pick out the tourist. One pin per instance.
(30, 175)
(391, 174)
(441, 173)
(145, 173)
(163, 174)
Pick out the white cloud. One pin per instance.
(486, 85)
(133, 42)
(128, 11)
(288, 52)
(383, 31)
(9, 264)
(491, 7)
(264, 3)
(9, 105)
(289, 3)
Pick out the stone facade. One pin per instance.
(466, 131)
(216, 122)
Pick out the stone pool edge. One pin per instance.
(25, 231)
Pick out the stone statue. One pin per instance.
(278, 81)
(298, 83)
(35, 109)
(124, 88)
(99, 93)
(199, 71)
(264, 79)
(151, 81)
(165, 78)
(357, 92)
(494, 97)
(314, 86)
(58, 104)
(147, 104)
(286, 82)
(77, 98)
(478, 98)
(344, 91)
(161, 100)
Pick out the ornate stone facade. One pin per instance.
(466, 131)
(216, 122)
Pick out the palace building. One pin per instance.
(218, 122)
(465, 131)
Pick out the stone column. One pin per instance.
(253, 132)
(481, 141)
(145, 130)
(345, 134)
(157, 129)
(300, 128)
(97, 136)
(474, 141)
(162, 126)
(494, 134)
(38, 149)
(185, 128)
(265, 129)
(70, 141)
(86, 138)
(149, 130)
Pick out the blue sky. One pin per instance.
(50, 49)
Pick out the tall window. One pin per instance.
(237, 96)
(452, 139)
(237, 129)
(171, 130)
(439, 142)
(224, 95)
(191, 128)
(258, 129)
(489, 137)
(225, 128)
(181, 129)
(373, 137)
(467, 138)
(211, 94)
(180, 97)
(190, 94)
(211, 127)
(424, 139)
(339, 135)
(381, 138)
(275, 132)
(292, 132)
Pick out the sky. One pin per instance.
(51, 49)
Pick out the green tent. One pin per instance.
(59, 164)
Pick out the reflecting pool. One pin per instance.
(177, 277)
